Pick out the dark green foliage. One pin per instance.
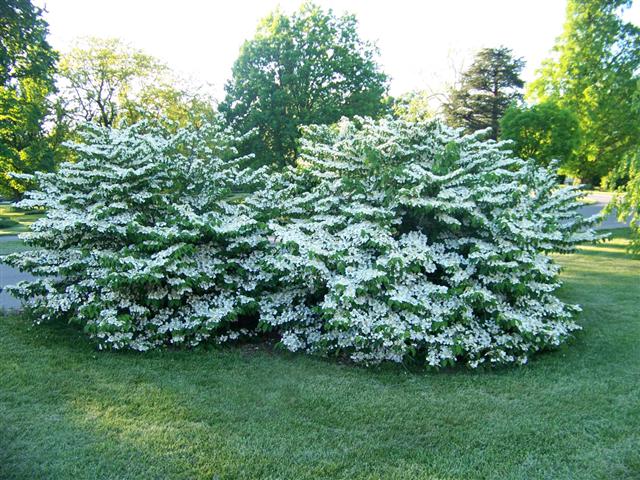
(310, 67)
(24, 51)
(486, 90)
(544, 132)
(594, 72)
(26, 78)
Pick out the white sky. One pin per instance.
(419, 41)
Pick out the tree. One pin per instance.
(174, 100)
(27, 63)
(413, 106)
(107, 82)
(307, 68)
(627, 177)
(627, 199)
(490, 85)
(594, 72)
(544, 132)
(99, 75)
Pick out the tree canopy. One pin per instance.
(308, 68)
(413, 106)
(544, 132)
(594, 73)
(106, 81)
(486, 90)
(27, 64)
(98, 76)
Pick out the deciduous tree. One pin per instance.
(544, 132)
(27, 63)
(308, 68)
(593, 71)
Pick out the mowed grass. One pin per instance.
(13, 246)
(70, 412)
(23, 219)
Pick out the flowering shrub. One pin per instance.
(399, 240)
(391, 240)
(143, 243)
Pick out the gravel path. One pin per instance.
(11, 276)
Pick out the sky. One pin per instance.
(422, 42)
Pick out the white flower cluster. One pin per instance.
(143, 243)
(391, 240)
(408, 241)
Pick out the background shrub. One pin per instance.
(7, 222)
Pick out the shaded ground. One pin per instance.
(68, 411)
(23, 219)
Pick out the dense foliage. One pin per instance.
(414, 106)
(390, 240)
(141, 244)
(490, 85)
(545, 132)
(627, 200)
(594, 72)
(26, 78)
(310, 67)
(400, 240)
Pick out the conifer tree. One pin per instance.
(486, 90)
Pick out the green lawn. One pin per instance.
(22, 219)
(12, 246)
(67, 411)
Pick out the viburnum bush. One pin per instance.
(390, 240)
(408, 241)
(143, 242)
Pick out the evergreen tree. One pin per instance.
(486, 90)
(307, 68)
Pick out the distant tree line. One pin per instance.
(312, 67)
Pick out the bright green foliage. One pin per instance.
(99, 75)
(413, 106)
(594, 72)
(627, 201)
(26, 69)
(182, 104)
(544, 132)
(107, 82)
(307, 68)
(486, 90)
